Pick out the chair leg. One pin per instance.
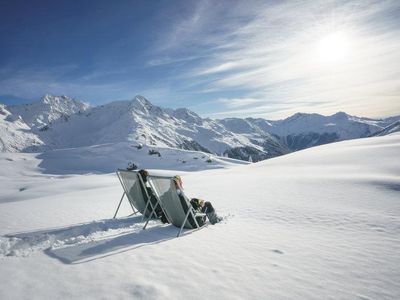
(145, 209)
(134, 213)
(184, 222)
(119, 205)
(149, 217)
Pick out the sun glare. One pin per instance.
(333, 48)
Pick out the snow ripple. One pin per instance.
(25, 244)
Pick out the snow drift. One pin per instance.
(322, 223)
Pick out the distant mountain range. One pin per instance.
(57, 122)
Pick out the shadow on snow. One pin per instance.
(94, 250)
(90, 241)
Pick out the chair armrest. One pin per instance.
(200, 214)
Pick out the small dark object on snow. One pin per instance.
(131, 167)
(154, 152)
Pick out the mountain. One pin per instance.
(140, 121)
(394, 127)
(57, 122)
(50, 108)
(15, 135)
(302, 130)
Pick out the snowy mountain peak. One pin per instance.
(50, 99)
(144, 107)
(48, 109)
(302, 116)
(341, 116)
(187, 115)
(142, 101)
(63, 103)
(15, 135)
(59, 122)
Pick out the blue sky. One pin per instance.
(219, 58)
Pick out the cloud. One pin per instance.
(238, 102)
(265, 51)
(242, 58)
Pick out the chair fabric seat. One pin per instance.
(175, 207)
(135, 191)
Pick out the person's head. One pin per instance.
(144, 173)
(178, 182)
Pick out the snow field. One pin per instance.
(316, 224)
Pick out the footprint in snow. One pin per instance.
(277, 251)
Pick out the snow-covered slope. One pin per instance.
(321, 223)
(344, 125)
(302, 130)
(62, 122)
(50, 108)
(15, 134)
(106, 158)
(394, 127)
(137, 120)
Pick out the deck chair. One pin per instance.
(135, 191)
(178, 209)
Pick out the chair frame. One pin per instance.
(143, 187)
(190, 210)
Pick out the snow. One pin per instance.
(14, 133)
(49, 109)
(394, 127)
(321, 223)
(58, 122)
(346, 126)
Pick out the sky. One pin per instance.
(220, 59)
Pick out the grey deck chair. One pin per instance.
(179, 210)
(135, 191)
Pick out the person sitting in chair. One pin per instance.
(198, 204)
(158, 210)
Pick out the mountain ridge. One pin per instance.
(57, 122)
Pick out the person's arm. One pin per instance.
(182, 194)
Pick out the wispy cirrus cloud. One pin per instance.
(238, 102)
(268, 56)
(231, 58)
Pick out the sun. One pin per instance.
(334, 48)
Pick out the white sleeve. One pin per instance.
(181, 193)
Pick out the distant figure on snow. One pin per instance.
(198, 204)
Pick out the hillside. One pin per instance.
(321, 223)
(15, 134)
(392, 128)
(59, 122)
